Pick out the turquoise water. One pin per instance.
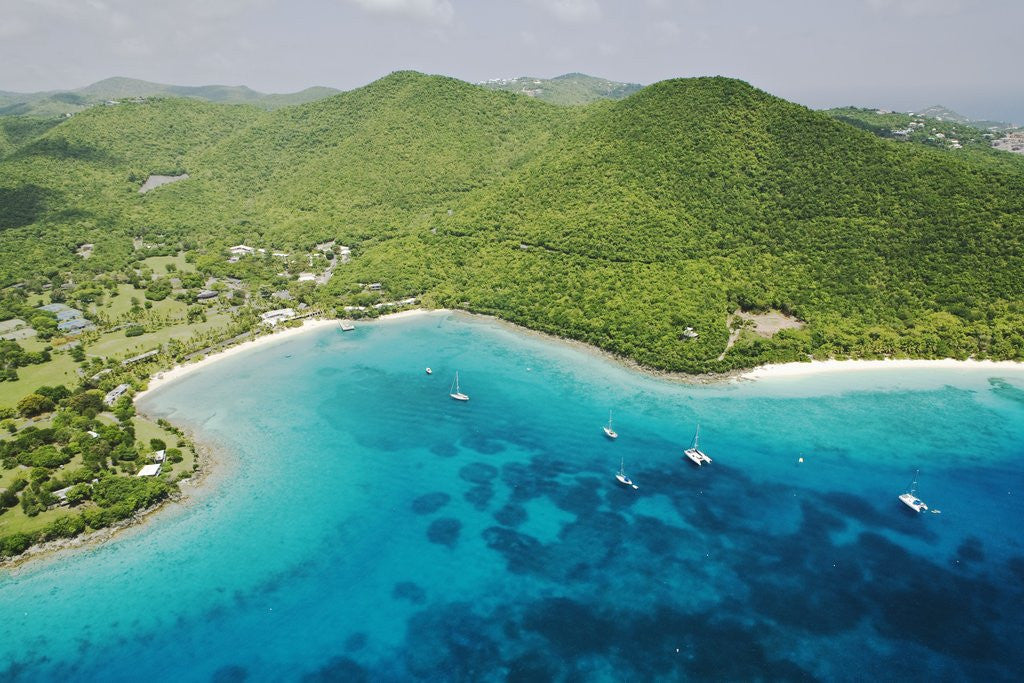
(364, 525)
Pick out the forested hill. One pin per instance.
(616, 223)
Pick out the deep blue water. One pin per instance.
(364, 525)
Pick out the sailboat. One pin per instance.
(694, 452)
(608, 431)
(910, 498)
(621, 477)
(455, 392)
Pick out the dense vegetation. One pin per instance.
(619, 223)
(73, 472)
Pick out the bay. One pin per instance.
(363, 524)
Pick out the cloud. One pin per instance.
(917, 8)
(438, 11)
(572, 11)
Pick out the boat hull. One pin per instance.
(695, 456)
(913, 502)
(459, 397)
(611, 434)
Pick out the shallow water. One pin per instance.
(369, 526)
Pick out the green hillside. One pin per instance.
(59, 103)
(568, 89)
(617, 223)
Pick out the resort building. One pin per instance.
(274, 317)
(140, 357)
(242, 250)
(75, 325)
(116, 393)
(149, 470)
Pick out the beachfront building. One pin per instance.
(149, 470)
(274, 317)
(140, 357)
(116, 393)
(160, 456)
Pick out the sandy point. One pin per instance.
(815, 367)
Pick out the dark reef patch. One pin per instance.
(450, 643)
(339, 670)
(407, 590)
(479, 496)
(430, 503)
(511, 514)
(233, 673)
(356, 642)
(444, 531)
(523, 554)
(478, 473)
(971, 550)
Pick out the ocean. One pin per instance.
(361, 525)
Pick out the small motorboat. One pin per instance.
(429, 371)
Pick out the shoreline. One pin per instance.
(209, 464)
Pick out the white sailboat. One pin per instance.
(608, 431)
(910, 498)
(455, 392)
(621, 477)
(694, 453)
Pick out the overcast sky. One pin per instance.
(900, 54)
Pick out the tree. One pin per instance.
(88, 403)
(157, 444)
(34, 404)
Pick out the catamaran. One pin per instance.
(694, 452)
(608, 431)
(910, 498)
(455, 392)
(621, 477)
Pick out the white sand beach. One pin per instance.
(816, 367)
(179, 371)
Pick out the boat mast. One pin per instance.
(913, 484)
(696, 437)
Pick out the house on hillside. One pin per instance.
(54, 308)
(68, 314)
(207, 294)
(242, 250)
(149, 470)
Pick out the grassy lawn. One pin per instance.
(116, 344)
(117, 306)
(158, 264)
(60, 370)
